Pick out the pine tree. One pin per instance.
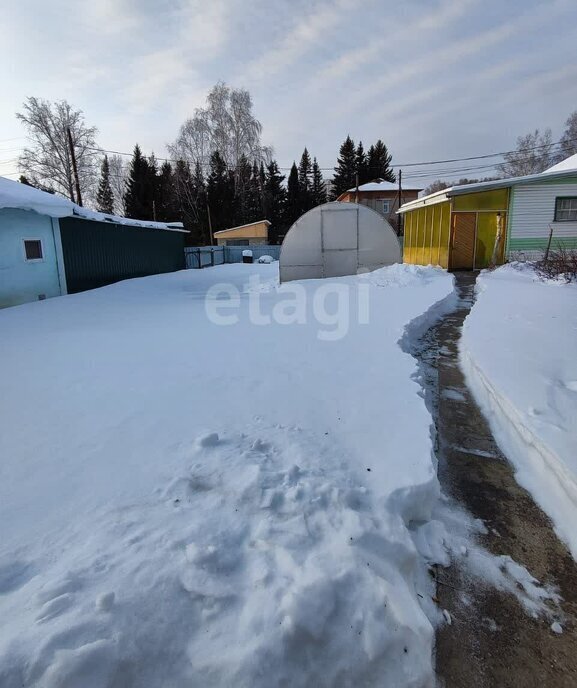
(220, 193)
(138, 199)
(292, 211)
(104, 196)
(361, 162)
(345, 171)
(379, 163)
(319, 190)
(274, 201)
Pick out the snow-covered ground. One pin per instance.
(184, 502)
(519, 353)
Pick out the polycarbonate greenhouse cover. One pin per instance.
(337, 239)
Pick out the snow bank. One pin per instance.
(519, 354)
(186, 503)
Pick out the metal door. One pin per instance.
(463, 236)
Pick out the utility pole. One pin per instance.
(357, 185)
(399, 219)
(74, 167)
(154, 210)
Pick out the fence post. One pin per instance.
(546, 256)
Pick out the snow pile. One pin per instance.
(519, 354)
(187, 503)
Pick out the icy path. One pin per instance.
(497, 636)
(183, 502)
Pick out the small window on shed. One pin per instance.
(566, 209)
(33, 249)
(386, 207)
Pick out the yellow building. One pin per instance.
(244, 235)
(457, 228)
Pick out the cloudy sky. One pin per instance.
(435, 79)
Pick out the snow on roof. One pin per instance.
(384, 186)
(248, 224)
(23, 197)
(569, 163)
(16, 195)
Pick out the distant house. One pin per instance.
(244, 235)
(49, 246)
(471, 226)
(381, 196)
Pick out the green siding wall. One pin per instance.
(536, 244)
(100, 253)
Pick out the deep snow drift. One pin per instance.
(519, 354)
(188, 503)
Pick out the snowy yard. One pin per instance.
(188, 502)
(519, 353)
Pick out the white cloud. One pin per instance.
(310, 30)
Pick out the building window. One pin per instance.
(386, 207)
(237, 242)
(566, 209)
(33, 250)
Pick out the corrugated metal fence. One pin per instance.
(100, 253)
(207, 256)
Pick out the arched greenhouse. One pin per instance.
(337, 239)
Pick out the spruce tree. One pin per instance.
(345, 171)
(137, 198)
(379, 163)
(305, 173)
(220, 192)
(241, 191)
(362, 167)
(274, 201)
(104, 195)
(255, 195)
(319, 190)
(166, 206)
(292, 202)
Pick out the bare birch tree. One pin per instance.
(47, 161)
(533, 154)
(118, 176)
(227, 125)
(568, 143)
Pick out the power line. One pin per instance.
(397, 165)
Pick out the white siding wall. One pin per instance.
(532, 215)
(534, 211)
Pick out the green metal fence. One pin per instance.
(100, 253)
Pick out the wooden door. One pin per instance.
(463, 235)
